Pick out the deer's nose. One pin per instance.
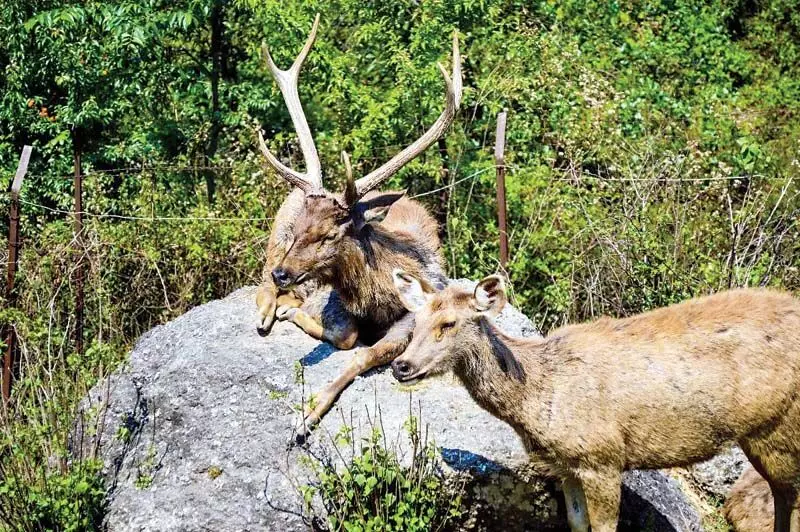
(281, 277)
(401, 369)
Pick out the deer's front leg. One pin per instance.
(602, 489)
(383, 352)
(577, 512)
(267, 302)
(339, 331)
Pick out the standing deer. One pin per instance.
(347, 245)
(665, 388)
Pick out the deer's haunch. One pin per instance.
(750, 506)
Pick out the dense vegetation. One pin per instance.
(653, 149)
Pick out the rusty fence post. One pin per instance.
(79, 268)
(13, 258)
(500, 165)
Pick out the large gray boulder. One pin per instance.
(197, 428)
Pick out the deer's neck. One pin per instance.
(493, 386)
(362, 277)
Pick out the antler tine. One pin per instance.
(297, 179)
(453, 100)
(287, 83)
(348, 168)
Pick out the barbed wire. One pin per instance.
(200, 168)
(147, 218)
(660, 179)
(513, 168)
(454, 183)
(141, 170)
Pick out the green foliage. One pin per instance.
(71, 501)
(376, 492)
(47, 481)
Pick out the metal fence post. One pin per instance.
(13, 258)
(500, 164)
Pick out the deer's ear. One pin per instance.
(376, 215)
(490, 295)
(376, 209)
(414, 293)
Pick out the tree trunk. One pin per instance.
(217, 24)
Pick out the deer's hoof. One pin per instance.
(285, 312)
(264, 322)
(303, 427)
(263, 327)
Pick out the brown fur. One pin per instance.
(352, 252)
(749, 507)
(665, 388)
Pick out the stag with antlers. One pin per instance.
(331, 255)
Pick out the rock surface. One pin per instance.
(717, 476)
(197, 425)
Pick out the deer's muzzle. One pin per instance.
(283, 278)
(405, 372)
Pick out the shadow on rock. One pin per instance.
(503, 498)
(523, 500)
(320, 353)
(653, 501)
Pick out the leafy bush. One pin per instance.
(47, 481)
(71, 501)
(374, 491)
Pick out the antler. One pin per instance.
(378, 176)
(287, 82)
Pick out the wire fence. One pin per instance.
(514, 169)
(145, 218)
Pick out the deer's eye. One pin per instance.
(330, 237)
(444, 328)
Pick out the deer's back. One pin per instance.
(411, 217)
(669, 385)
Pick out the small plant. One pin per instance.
(143, 481)
(375, 491)
(147, 469)
(123, 434)
(214, 472)
(713, 518)
(275, 395)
